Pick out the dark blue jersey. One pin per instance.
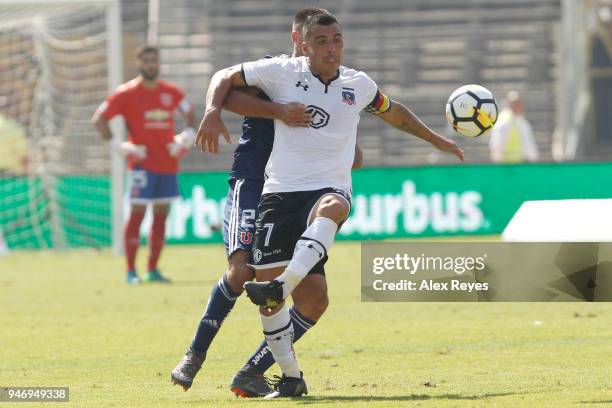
(254, 147)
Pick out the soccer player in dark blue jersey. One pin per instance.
(246, 182)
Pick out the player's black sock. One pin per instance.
(221, 301)
(262, 359)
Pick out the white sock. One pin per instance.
(278, 331)
(309, 250)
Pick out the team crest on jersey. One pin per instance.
(257, 255)
(246, 237)
(348, 96)
(320, 118)
(165, 99)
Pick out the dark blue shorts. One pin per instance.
(240, 214)
(148, 187)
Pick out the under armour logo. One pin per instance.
(299, 83)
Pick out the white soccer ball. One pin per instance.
(471, 110)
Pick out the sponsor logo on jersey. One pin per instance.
(157, 115)
(320, 118)
(348, 96)
(165, 99)
(246, 237)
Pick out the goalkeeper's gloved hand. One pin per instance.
(182, 143)
(130, 150)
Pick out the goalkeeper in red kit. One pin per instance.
(153, 151)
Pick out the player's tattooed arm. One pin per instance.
(402, 118)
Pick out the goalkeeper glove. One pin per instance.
(130, 150)
(182, 143)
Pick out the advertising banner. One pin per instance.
(392, 203)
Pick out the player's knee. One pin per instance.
(236, 277)
(238, 273)
(334, 208)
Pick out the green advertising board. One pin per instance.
(387, 202)
(414, 201)
(462, 199)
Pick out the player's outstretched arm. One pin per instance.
(212, 125)
(402, 118)
(244, 103)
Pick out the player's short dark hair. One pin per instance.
(323, 19)
(300, 18)
(146, 49)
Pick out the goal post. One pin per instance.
(62, 59)
(115, 77)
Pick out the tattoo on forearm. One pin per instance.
(408, 122)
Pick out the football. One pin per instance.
(471, 110)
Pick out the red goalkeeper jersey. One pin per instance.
(149, 117)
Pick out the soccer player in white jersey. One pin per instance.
(306, 195)
(246, 184)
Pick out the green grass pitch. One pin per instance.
(67, 319)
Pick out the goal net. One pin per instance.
(59, 60)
